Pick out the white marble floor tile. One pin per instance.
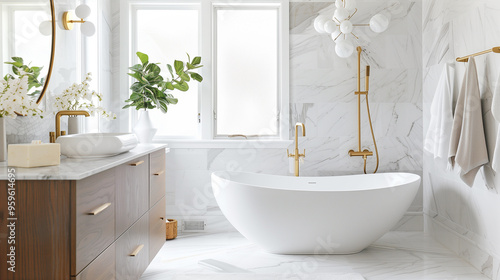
(396, 256)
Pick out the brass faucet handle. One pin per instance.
(52, 137)
(304, 154)
(63, 132)
(288, 153)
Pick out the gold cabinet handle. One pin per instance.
(137, 163)
(99, 209)
(159, 173)
(137, 250)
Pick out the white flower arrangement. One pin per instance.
(14, 98)
(79, 97)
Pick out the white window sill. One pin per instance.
(226, 144)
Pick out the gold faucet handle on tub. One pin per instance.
(293, 155)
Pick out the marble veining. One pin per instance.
(396, 256)
(77, 169)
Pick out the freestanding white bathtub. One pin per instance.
(314, 215)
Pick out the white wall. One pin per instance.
(322, 96)
(465, 219)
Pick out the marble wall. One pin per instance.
(463, 218)
(322, 97)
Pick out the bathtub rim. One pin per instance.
(412, 178)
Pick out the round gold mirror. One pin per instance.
(28, 36)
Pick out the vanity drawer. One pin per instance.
(157, 181)
(132, 256)
(157, 229)
(102, 268)
(132, 192)
(93, 230)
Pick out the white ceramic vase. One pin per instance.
(144, 129)
(73, 125)
(3, 140)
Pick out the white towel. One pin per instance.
(495, 110)
(437, 140)
(468, 144)
(495, 103)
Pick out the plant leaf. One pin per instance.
(169, 86)
(183, 86)
(143, 57)
(184, 76)
(179, 66)
(137, 68)
(153, 68)
(172, 100)
(170, 70)
(197, 77)
(163, 107)
(196, 60)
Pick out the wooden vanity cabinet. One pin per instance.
(132, 192)
(101, 227)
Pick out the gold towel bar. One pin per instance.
(466, 58)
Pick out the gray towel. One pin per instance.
(468, 144)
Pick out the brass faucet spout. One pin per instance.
(297, 133)
(67, 113)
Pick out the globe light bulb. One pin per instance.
(87, 28)
(350, 5)
(341, 14)
(330, 26)
(82, 11)
(379, 23)
(319, 23)
(344, 48)
(336, 34)
(346, 27)
(45, 28)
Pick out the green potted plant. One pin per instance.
(152, 91)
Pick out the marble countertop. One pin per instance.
(77, 169)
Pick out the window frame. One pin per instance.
(272, 6)
(206, 91)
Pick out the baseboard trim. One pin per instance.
(411, 221)
(488, 263)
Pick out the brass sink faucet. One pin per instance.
(297, 155)
(55, 135)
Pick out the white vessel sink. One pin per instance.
(95, 145)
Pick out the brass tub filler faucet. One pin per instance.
(58, 132)
(365, 153)
(296, 155)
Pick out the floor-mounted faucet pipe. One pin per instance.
(296, 155)
(365, 153)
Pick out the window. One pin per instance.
(246, 71)
(166, 33)
(244, 50)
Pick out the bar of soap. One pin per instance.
(35, 154)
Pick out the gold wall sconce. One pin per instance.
(87, 28)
